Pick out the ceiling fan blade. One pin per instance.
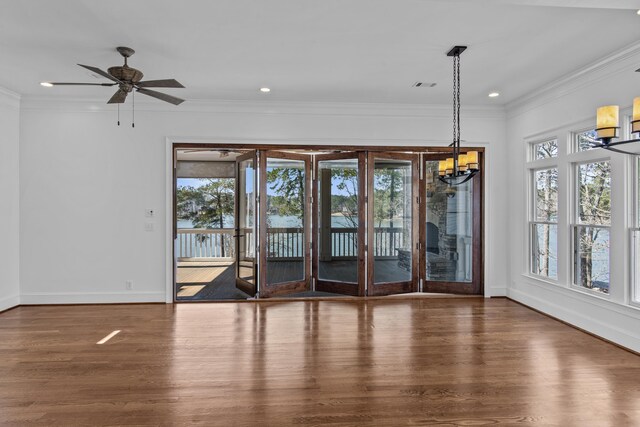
(159, 83)
(82, 84)
(99, 71)
(162, 96)
(118, 97)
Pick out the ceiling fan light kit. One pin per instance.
(128, 80)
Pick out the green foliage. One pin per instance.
(388, 192)
(346, 181)
(208, 205)
(288, 185)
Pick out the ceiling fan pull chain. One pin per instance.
(118, 114)
(133, 109)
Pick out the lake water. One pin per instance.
(293, 221)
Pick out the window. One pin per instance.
(545, 150)
(591, 237)
(635, 238)
(583, 140)
(544, 227)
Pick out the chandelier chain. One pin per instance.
(455, 101)
(456, 105)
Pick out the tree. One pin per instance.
(594, 180)
(288, 187)
(390, 199)
(547, 212)
(207, 206)
(347, 203)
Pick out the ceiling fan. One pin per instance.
(127, 79)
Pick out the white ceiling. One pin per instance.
(306, 50)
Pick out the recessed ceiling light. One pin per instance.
(265, 90)
(46, 84)
(494, 94)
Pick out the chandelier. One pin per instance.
(608, 125)
(459, 168)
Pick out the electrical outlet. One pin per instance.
(128, 285)
(148, 226)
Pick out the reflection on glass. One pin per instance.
(392, 245)
(338, 220)
(246, 221)
(285, 220)
(449, 229)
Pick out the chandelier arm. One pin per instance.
(611, 144)
(619, 151)
(452, 180)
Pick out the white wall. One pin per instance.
(9, 207)
(571, 104)
(85, 182)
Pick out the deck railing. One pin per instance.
(205, 243)
(284, 243)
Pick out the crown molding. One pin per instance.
(622, 60)
(9, 97)
(334, 141)
(84, 105)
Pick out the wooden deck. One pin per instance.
(393, 362)
(207, 280)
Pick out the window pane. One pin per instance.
(338, 220)
(545, 250)
(544, 150)
(594, 193)
(584, 139)
(392, 198)
(449, 227)
(546, 181)
(592, 258)
(638, 194)
(285, 220)
(635, 238)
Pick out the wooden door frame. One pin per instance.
(345, 288)
(393, 287)
(476, 286)
(245, 286)
(280, 289)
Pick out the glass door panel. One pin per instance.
(452, 232)
(339, 230)
(393, 230)
(246, 220)
(284, 209)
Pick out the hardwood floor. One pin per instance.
(395, 362)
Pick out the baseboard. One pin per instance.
(90, 298)
(498, 292)
(9, 302)
(619, 328)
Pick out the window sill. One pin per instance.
(631, 309)
(542, 279)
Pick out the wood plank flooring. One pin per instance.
(392, 362)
